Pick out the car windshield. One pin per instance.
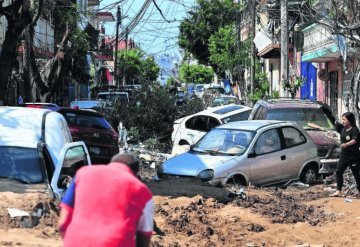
(21, 164)
(224, 142)
(308, 118)
(81, 120)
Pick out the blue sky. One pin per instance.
(156, 34)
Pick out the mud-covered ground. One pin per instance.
(191, 213)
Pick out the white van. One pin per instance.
(37, 152)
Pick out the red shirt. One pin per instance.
(109, 205)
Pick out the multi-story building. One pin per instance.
(315, 54)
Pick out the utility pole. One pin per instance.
(126, 47)
(284, 41)
(253, 48)
(118, 23)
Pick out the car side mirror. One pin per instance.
(252, 154)
(192, 146)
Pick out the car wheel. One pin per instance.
(309, 175)
(236, 184)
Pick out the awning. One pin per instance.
(105, 16)
(266, 47)
(270, 51)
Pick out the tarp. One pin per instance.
(308, 89)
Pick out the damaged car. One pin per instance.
(314, 117)
(188, 130)
(37, 153)
(260, 152)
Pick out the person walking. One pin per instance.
(107, 205)
(350, 154)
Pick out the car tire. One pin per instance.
(309, 175)
(235, 183)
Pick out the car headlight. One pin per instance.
(206, 175)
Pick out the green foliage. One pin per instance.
(261, 85)
(203, 21)
(223, 50)
(136, 67)
(293, 86)
(196, 73)
(275, 94)
(150, 116)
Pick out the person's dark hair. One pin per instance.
(127, 159)
(350, 117)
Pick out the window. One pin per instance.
(190, 123)
(308, 118)
(75, 158)
(213, 122)
(22, 164)
(268, 142)
(258, 112)
(292, 137)
(237, 117)
(200, 123)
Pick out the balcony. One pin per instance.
(319, 45)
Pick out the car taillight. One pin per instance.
(74, 130)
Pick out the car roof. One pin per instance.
(252, 125)
(22, 126)
(224, 110)
(87, 112)
(112, 92)
(289, 103)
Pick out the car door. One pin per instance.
(72, 157)
(196, 127)
(294, 142)
(269, 163)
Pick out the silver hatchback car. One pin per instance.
(260, 152)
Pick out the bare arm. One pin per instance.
(349, 143)
(64, 219)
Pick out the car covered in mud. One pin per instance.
(260, 152)
(314, 117)
(37, 153)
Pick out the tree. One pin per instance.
(203, 21)
(50, 75)
(226, 56)
(341, 18)
(196, 73)
(19, 15)
(136, 67)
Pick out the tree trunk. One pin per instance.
(7, 57)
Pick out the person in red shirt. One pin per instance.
(107, 205)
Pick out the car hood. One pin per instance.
(324, 138)
(11, 185)
(190, 164)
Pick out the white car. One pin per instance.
(188, 130)
(37, 152)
